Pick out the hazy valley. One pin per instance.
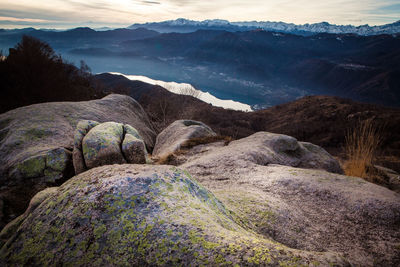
(255, 67)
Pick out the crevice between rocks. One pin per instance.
(83, 158)
(121, 143)
(68, 149)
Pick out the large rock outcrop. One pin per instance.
(138, 215)
(275, 188)
(177, 133)
(265, 148)
(36, 144)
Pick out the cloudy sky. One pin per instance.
(121, 13)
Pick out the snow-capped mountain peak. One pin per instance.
(304, 29)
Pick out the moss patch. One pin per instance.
(250, 210)
(32, 167)
(101, 137)
(57, 159)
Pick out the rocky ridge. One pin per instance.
(304, 29)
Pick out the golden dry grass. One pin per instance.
(206, 140)
(172, 158)
(361, 145)
(166, 160)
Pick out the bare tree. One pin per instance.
(164, 104)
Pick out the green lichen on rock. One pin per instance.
(32, 167)
(82, 128)
(132, 131)
(134, 149)
(34, 130)
(52, 176)
(58, 159)
(50, 166)
(251, 210)
(101, 145)
(98, 144)
(12, 227)
(140, 215)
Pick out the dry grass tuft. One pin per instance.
(205, 140)
(173, 158)
(169, 159)
(361, 145)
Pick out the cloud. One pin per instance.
(12, 19)
(126, 12)
(151, 2)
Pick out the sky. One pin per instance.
(60, 14)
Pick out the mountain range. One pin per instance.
(256, 67)
(185, 25)
(267, 68)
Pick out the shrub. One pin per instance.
(361, 145)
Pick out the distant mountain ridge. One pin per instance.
(256, 67)
(75, 38)
(185, 25)
(266, 66)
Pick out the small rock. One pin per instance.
(282, 143)
(102, 145)
(176, 134)
(394, 178)
(78, 161)
(134, 149)
(107, 143)
(82, 128)
(132, 131)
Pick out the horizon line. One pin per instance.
(111, 26)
